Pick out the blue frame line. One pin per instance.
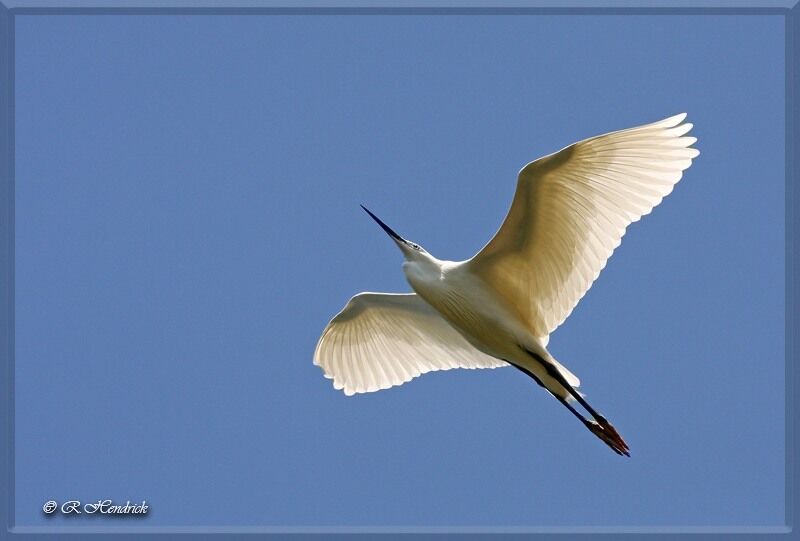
(792, 129)
(7, 254)
(399, 10)
(790, 9)
(220, 5)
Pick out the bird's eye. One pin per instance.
(415, 246)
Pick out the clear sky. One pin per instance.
(187, 221)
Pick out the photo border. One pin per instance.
(9, 9)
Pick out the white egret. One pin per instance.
(569, 213)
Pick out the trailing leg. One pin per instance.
(602, 428)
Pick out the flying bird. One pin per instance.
(570, 211)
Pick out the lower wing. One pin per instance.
(382, 339)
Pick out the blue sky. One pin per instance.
(187, 221)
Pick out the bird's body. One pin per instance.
(489, 324)
(569, 213)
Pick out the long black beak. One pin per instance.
(385, 227)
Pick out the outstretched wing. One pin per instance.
(570, 211)
(381, 339)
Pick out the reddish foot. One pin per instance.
(606, 432)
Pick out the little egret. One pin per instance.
(569, 213)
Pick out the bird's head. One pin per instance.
(411, 250)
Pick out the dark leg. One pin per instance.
(607, 427)
(528, 373)
(595, 428)
(553, 372)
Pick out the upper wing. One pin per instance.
(570, 211)
(383, 339)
